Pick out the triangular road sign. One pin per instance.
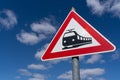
(76, 37)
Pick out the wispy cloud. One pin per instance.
(37, 67)
(57, 61)
(43, 27)
(116, 55)
(30, 75)
(39, 31)
(30, 72)
(115, 8)
(8, 19)
(17, 77)
(86, 74)
(96, 6)
(25, 72)
(40, 52)
(29, 38)
(37, 76)
(81, 58)
(100, 7)
(95, 58)
(66, 76)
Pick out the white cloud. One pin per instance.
(37, 76)
(31, 76)
(53, 62)
(81, 58)
(66, 76)
(100, 6)
(96, 6)
(17, 77)
(86, 74)
(101, 79)
(7, 19)
(37, 67)
(43, 27)
(40, 52)
(116, 55)
(94, 58)
(39, 31)
(25, 72)
(29, 38)
(115, 8)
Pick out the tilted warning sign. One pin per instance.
(76, 37)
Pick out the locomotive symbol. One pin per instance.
(72, 39)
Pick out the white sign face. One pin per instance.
(73, 37)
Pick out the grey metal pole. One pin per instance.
(75, 65)
(75, 68)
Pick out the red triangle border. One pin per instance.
(106, 45)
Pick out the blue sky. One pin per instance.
(27, 27)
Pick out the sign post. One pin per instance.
(76, 68)
(75, 65)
